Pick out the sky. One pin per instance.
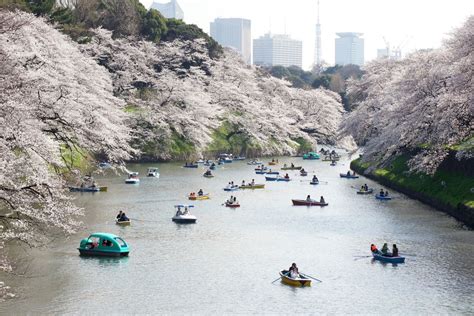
(411, 24)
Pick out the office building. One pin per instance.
(349, 49)
(170, 10)
(281, 50)
(234, 33)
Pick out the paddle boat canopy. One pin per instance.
(103, 244)
(132, 178)
(300, 281)
(152, 172)
(311, 156)
(183, 216)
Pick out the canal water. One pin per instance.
(226, 262)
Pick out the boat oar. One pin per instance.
(312, 277)
(276, 279)
(362, 257)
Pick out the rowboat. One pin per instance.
(272, 172)
(277, 179)
(272, 163)
(385, 198)
(303, 173)
(308, 203)
(206, 175)
(123, 223)
(190, 166)
(254, 162)
(84, 189)
(103, 244)
(288, 280)
(197, 197)
(311, 156)
(240, 158)
(255, 186)
(314, 182)
(291, 168)
(232, 205)
(350, 176)
(388, 259)
(332, 158)
(261, 168)
(231, 188)
(260, 172)
(369, 191)
(332, 164)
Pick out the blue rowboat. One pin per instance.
(382, 258)
(314, 183)
(272, 172)
(260, 172)
(344, 175)
(384, 198)
(190, 166)
(271, 178)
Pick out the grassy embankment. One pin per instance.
(447, 191)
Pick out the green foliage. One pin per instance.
(75, 158)
(279, 72)
(322, 81)
(304, 144)
(131, 108)
(146, 93)
(450, 188)
(177, 29)
(41, 7)
(229, 138)
(154, 25)
(181, 148)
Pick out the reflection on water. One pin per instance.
(225, 263)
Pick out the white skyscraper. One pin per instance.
(170, 10)
(317, 48)
(281, 50)
(349, 49)
(234, 33)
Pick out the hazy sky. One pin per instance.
(414, 23)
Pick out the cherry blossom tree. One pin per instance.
(422, 105)
(54, 102)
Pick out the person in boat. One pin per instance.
(385, 249)
(308, 198)
(253, 182)
(374, 249)
(273, 160)
(321, 200)
(200, 192)
(302, 170)
(292, 165)
(353, 173)
(284, 165)
(315, 179)
(186, 211)
(287, 176)
(119, 215)
(243, 182)
(382, 193)
(362, 188)
(348, 173)
(235, 199)
(232, 183)
(293, 271)
(386, 193)
(123, 218)
(229, 201)
(366, 187)
(394, 251)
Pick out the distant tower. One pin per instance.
(317, 48)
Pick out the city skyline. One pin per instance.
(420, 25)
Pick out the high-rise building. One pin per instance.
(170, 10)
(317, 47)
(234, 33)
(281, 50)
(349, 49)
(395, 54)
